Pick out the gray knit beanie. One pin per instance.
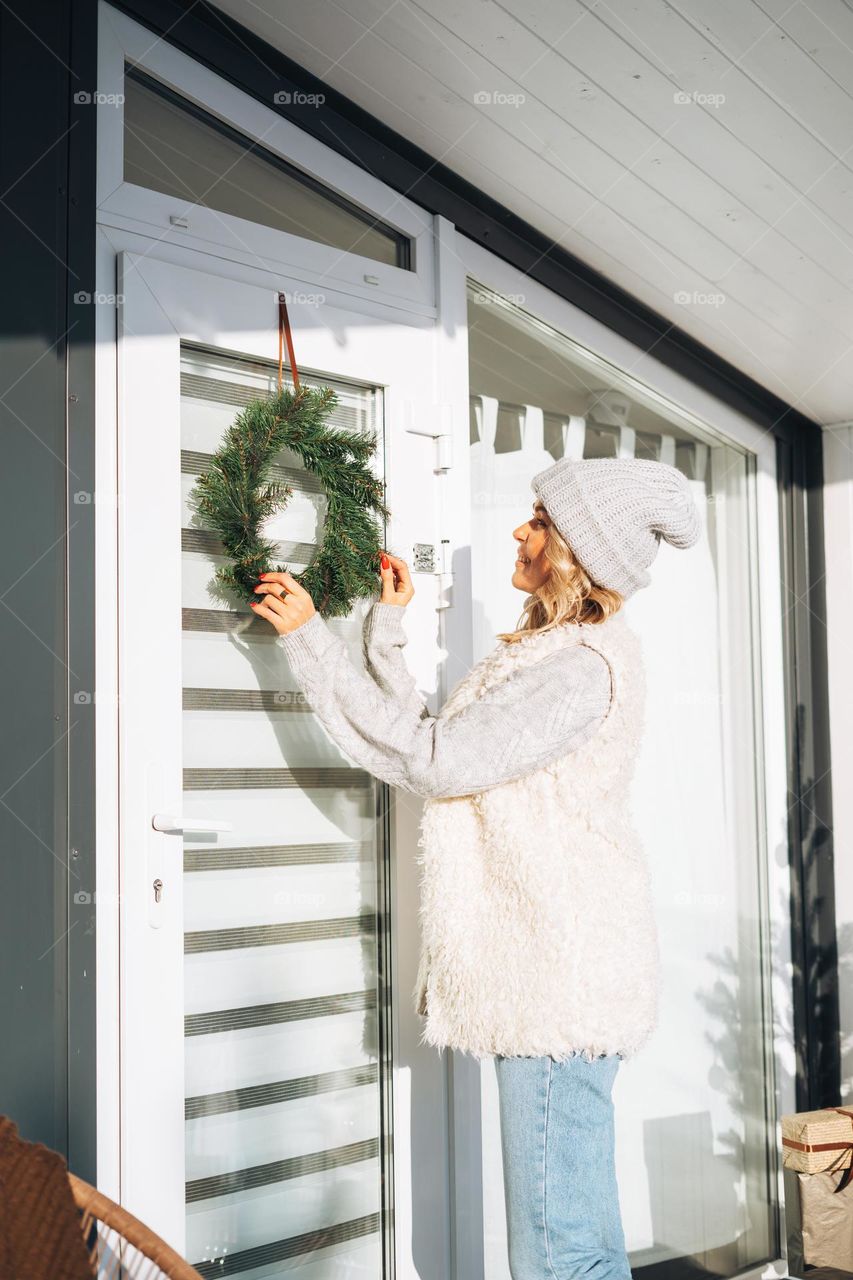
(614, 511)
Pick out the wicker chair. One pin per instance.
(120, 1245)
(43, 1209)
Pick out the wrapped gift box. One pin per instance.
(817, 1158)
(826, 1221)
(818, 1141)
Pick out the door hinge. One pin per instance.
(443, 438)
(443, 447)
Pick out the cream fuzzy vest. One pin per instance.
(537, 922)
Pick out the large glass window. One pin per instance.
(173, 146)
(286, 1049)
(695, 1124)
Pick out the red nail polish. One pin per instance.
(385, 562)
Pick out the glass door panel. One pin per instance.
(694, 1113)
(282, 919)
(266, 1042)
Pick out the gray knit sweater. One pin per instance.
(380, 721)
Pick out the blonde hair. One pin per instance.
(568, 594)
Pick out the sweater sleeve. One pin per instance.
(383, 641)
(543, 711)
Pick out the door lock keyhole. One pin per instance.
(158, 889)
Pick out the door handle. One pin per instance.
(177, 822)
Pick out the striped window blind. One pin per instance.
(287, 1076)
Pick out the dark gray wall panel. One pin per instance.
(47, 941)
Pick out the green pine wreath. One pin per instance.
(235, 496)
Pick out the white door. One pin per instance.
(260, 999)
(699, 1107)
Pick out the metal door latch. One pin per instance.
(426, 561)
(424, 557)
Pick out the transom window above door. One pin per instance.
(204, 166)
(175, 147)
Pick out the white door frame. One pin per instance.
(132, 220)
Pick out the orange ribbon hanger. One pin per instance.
(284, 335)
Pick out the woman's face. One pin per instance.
(531, 567)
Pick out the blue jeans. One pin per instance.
(558, 1144)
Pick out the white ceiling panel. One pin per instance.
(698, 153)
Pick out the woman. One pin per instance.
(539, 944)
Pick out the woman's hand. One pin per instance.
(396, 581)
(287, 603)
